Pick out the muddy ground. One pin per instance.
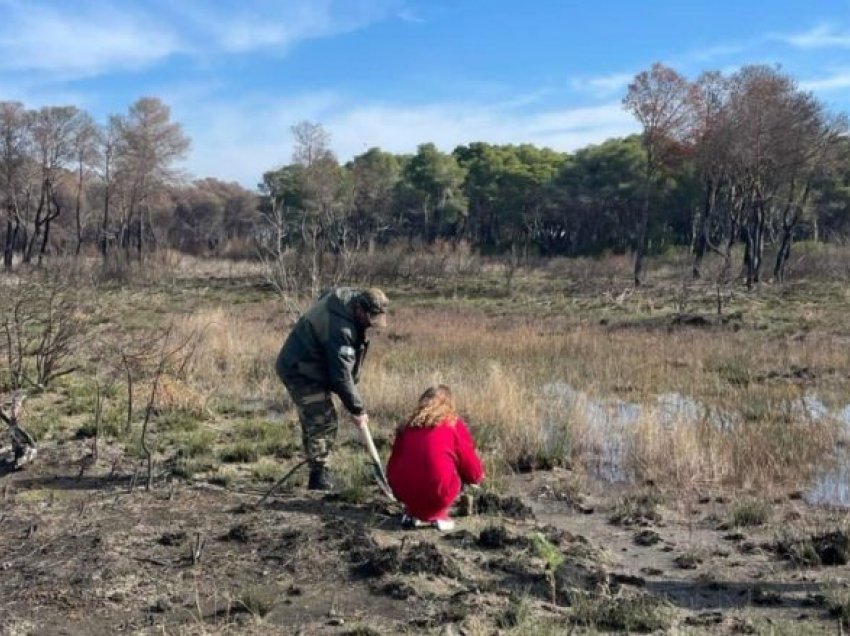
(85, 549)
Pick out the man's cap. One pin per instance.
(375, 302)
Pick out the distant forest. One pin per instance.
(747, 159)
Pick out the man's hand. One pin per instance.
(360, 420)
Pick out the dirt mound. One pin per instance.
(833, 548)
(829, 548)
(492, 504)
(528, 463)
(647, 537)
(561, 537)
(172, 538)
(292, 549)
(498, 538)
(582, 575)
(461, 538)
(343, 529)
(421, 558)
(240, 533)
(397, 589)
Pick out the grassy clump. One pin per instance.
(544, 549)
(224, 476)
(195, 443)
(735, 370)
(266, 470)
(637, 613)
(750, 511)
(837, 602)
(269, 438)
(257, 601)
(241, 452)
(798, 549)
(112, 425)
(177, 421)
(638, 508)
(189, 468)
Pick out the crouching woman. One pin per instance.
(433, 457)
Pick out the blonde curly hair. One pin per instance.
(435, 405)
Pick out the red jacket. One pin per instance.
(429, 465)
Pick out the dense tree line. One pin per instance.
(747, 159)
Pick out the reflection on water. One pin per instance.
(832, 486)
(608, 423)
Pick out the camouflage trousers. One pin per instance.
(319, 423)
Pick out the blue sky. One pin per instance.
(395, 73)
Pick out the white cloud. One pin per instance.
(75, 39)
(836, 81)
(604, 84)
(254, 24)
(719, 50)
(822, 36)
(241, 141)
(78, 42)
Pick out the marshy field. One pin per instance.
(671, 458)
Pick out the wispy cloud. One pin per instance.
(713, 52)
(837, 81)
(254, 24)
(68, 40)
(410, 15)
(604, 84)
(80, 41)
(241, 141)
(822, 36)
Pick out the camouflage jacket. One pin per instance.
(327, 348)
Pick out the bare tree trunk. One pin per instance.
(148, 412)
(782, 255)
(47, 220)
(42, 201)
(43, 249)
(642, 228)
(791, 216)
(78, 211)
(140, 231)
(701, 244)
(755, 243)
(128, 370)
(12, 227)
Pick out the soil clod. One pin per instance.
(647, 537)
(494, 538)
(512, 507)
(420, 558)
(240, 532)
(172, 538)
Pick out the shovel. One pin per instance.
(380, 475)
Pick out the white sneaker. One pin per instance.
(444, 525)
(27, 455)
(412, 522)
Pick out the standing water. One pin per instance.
(607, 432)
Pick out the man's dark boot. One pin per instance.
(320, 478)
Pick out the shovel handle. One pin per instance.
(376, 460)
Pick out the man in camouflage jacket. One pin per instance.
(324, 354)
